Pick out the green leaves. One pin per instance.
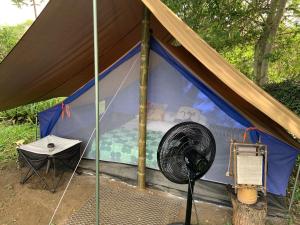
(19, 124)
(27, 113)
(287, 92)
(20, 3)
(222, 24)
(233, 28)
(10, 35)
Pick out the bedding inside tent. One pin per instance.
(174, 95)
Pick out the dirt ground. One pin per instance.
(30, 204)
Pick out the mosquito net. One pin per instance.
(172, 99)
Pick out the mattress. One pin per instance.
(120, 145)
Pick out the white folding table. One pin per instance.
(38, 153)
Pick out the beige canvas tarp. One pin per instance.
(55, 57)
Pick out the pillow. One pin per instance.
(156, 112)
(188, 114)
(159, 126)
(202, 120)
(169, 116)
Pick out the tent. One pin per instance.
(174, 96)
(187, 82)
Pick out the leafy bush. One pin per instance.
(10, 35)
(27, 113)
(287, 92)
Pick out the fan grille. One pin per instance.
(177, 143)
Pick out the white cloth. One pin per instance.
(160, 126)
(249, 169)
(40, 146)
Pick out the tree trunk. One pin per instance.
(34, 8)
(264, 44)
(249, 214)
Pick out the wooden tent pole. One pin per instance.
(143, 98)
(96, 74)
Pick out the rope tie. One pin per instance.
(247, 130)
(66, 109)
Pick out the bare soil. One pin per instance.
(31, 204)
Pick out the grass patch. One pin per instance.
(9, 134)
(19, 124)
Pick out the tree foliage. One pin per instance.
(20, 3)
(34, 3)
(223, 24)
(264, 43)
(27, 113)
(287, 92)
(234, 27)
(9, 36)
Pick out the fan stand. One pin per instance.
(189, 204)
(185, 154)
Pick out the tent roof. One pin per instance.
(55, 57)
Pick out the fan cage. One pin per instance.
(177, 142)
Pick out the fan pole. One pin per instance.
(95, 28)
(189, 203)
(143, 99)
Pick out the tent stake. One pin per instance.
(143, 99)
(294, 189)
(95, 28)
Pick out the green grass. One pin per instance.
(9, 134)
(18, 124)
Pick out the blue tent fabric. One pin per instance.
(49, 117)
(281, 157)
(281, 160)
(209, 93)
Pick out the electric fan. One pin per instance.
(185, 154)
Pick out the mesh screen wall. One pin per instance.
(171, 99)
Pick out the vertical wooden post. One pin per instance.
(143, 99)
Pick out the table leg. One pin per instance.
(48, 166)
